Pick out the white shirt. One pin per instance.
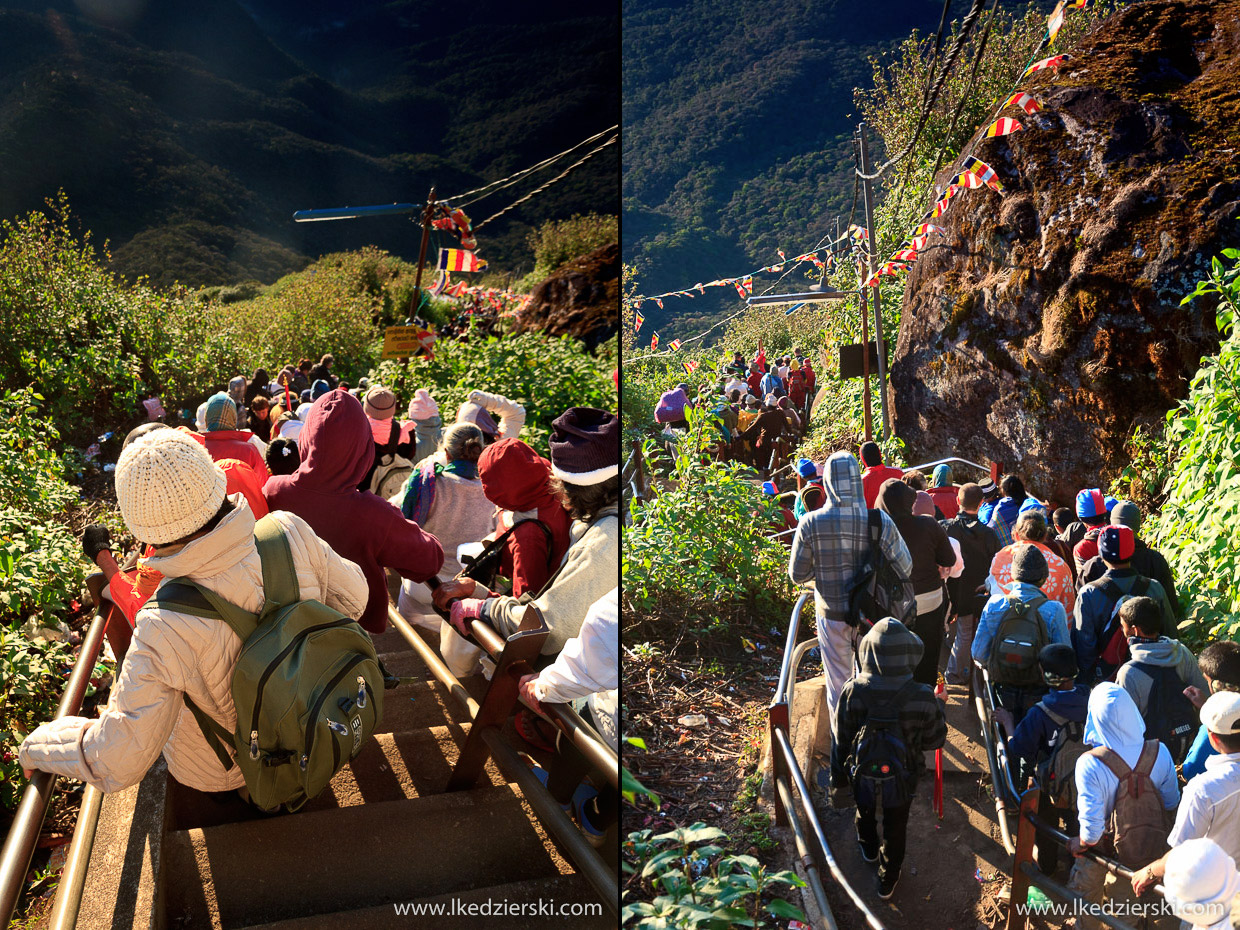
(1211, 806)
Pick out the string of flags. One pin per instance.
(460, 260)
(976, 173)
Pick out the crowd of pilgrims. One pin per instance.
(359, 492)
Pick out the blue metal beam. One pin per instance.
(352, 213)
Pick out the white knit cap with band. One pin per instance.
(167, 486)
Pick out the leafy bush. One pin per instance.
(702, 539)
(698, 885)
(545, 374)
(1196, 529)
(558, 242)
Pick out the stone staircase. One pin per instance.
(384, 833)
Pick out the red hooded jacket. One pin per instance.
(516, 478)
(336, 449)
(235, 444)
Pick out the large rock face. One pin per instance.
(580, 299)
(1045, 323)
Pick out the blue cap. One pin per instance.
(1110, 503)
(806, 468)
(768, 487)
(318, 389)
(1032, 503)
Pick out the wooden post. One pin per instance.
(427, 215)
(865, 367)
(1026, 833)
(867, 189)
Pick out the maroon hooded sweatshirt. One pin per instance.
(336, 449)
(517, 478)
(235, 444)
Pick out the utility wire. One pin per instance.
(965, 28)
(539, 190)
(494, 186)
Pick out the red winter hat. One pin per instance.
(1116, 544)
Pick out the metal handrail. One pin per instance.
(23, 836)
(787, 771)
(552, 816)
(947, 461)
(1025, 873)
(996, 755)
(73, 876)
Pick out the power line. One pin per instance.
(965, 28)
(539, 190)
(494, 186)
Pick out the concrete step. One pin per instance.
(398, 766)
(330, 861)
(420, 704)
(542, 898)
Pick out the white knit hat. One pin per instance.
(1200, 883)
(167, 486)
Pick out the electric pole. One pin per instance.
(872, 263)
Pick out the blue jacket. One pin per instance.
(1195, 761)
(772, 385)
(1003, 518)
(1092, 614)
(1052, 614)
(1032, 739)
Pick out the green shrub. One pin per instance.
(702, 539)
(1196, 529)
(557, 242)
(545, 374)
(693, 883)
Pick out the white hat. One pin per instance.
(1221, 713)
(167, 486)
(423, 406)
(1200, 883)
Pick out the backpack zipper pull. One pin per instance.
(361, 691)
(254, 744)
(338, 728)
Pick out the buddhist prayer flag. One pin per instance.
(925, 228)
(740, 289)
(858, 233)
(1003, 127)
(1053, 62)
(1024, 101)
(675, 344)
(966, 179)
(690, 366)
(917, 243)
(905, 255)
(659, 302)
(654, 342)
(1054, 22)
(983, 171)
(459, 260)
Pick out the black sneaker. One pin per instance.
(887, 885)
(866, 854)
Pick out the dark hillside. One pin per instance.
(187, 135)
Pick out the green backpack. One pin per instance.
(1020, 635)
(307, 686)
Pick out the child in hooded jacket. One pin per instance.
(887, 654)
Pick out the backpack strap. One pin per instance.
(1058, 719)
(1140, 586)
(1112, 760)
(188, 597)
(215, 735)
(1149, 756)
(279, 573)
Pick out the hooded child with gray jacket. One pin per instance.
(885, 690)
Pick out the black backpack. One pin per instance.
(881, 761)
(1019, 637)
(1170, 717)
(878, 591)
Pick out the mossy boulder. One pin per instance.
(1058, 303)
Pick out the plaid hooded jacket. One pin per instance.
(831, 544)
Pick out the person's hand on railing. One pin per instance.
(1145, 878)
(463, 611)
(1003, 717)
(95, 539)
(525, 690)
(456, 589)
(1076, 847)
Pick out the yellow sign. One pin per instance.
(402, 341)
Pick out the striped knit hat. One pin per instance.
(585, 446)
(167, 486)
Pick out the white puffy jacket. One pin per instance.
(174, 654)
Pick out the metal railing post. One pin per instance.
(521, 649)
(23, 836)
(1026, 833)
